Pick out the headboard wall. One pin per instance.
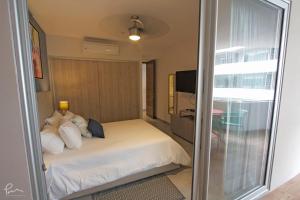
(45, 106)
(103, 90)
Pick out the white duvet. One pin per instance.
(129, 147)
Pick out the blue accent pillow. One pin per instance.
(95, 128)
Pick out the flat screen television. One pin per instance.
(186, 81)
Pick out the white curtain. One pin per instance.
(254, 26)
(245, 124)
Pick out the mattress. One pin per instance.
(129, 147)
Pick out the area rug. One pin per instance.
(153, 188)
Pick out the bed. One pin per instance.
(131, 150)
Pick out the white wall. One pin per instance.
(287, 152)
(72, 48)
(181, 56)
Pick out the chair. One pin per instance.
(234, 119)
(231, 119)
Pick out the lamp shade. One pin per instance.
(63, 105)
(135, 33)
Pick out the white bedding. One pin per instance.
(129, 147)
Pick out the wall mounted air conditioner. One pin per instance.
(100, 47)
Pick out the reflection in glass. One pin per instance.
(245, 72)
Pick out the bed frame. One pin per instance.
(124, 180)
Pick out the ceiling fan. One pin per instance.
(136, 30)
(132, 27)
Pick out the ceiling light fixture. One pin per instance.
(136, 30)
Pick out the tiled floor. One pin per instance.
(288, 191)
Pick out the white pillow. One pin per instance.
(70, 134)
(54, 119)
(51, 142)
(82, 125)
(67, 117)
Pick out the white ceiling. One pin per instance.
(79, 18)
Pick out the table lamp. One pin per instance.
(63, 106)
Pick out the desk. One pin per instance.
(183, 126)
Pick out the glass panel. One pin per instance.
(245, 73)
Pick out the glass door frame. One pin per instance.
(207, 45)
(22, 50)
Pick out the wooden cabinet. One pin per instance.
(103, 90)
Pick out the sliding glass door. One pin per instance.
(248, 49)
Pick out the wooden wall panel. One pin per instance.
(106, 91)
(119, 90)
(77, 82)
(150, 89)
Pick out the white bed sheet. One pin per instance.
(129, 147)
